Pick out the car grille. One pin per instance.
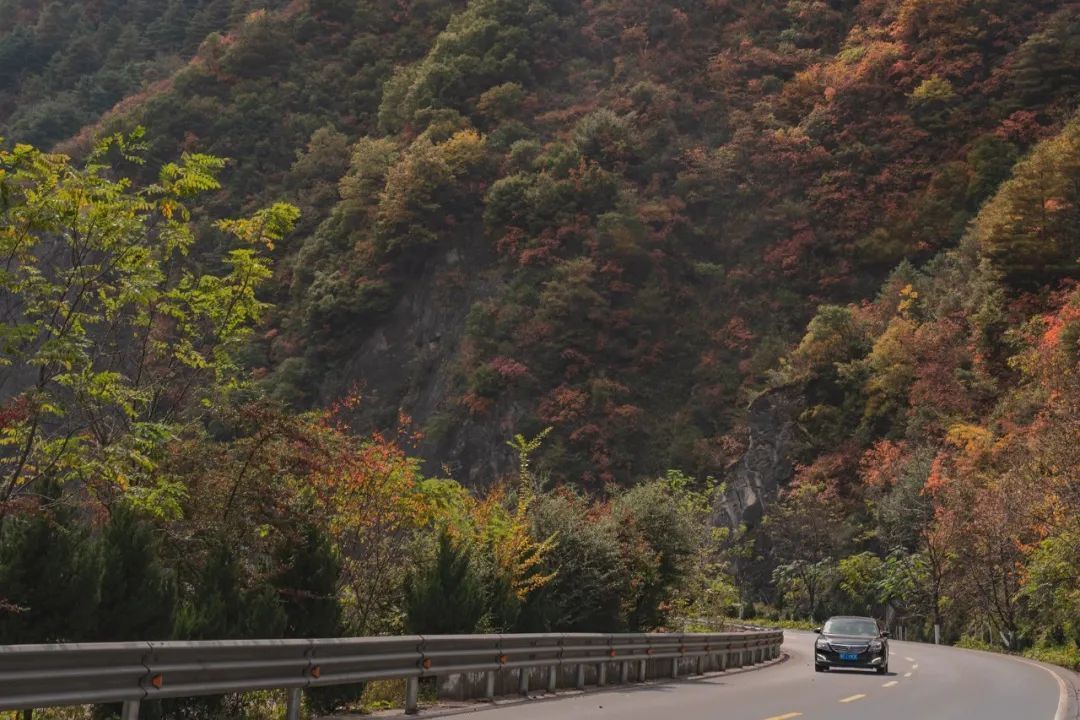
(849, 648)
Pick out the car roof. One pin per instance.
(851, 617)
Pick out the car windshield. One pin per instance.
(850, 626)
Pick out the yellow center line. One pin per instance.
(853, 698)
(785, 717)
(891, 683)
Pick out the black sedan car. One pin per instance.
(851, 642)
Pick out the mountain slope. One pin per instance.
(612, 218)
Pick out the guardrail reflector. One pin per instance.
(426, 663)
(157, 681)
(316, 671)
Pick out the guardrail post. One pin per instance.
(701, 665)
(601, 674)
(523, 681)
(624, 672)
(489, 691)
(641, 673)
(292, 706)
(553, 678)
(130, 711)
(674, 667)
(412, 695)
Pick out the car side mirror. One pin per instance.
(817, 630)
(884, 633)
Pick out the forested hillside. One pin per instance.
(500, 237)
(611, 225)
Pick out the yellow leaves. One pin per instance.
(908, 297)
(464, 150)
(975, 441)
(933, 89)
(520, 556)
(517, 554)
(892, 359)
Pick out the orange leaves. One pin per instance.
(881, 463)
(1063, 322)
(375, 483)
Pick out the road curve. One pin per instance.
(925, 683)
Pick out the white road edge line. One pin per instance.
(910, 659)
(891, 683)
(907, 674)
(1063, 690)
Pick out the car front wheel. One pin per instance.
(820, 668)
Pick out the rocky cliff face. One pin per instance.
(767, 463)
(406, 372)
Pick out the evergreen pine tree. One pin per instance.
(307, 584)
(138, 592)
(50, 576)
(446, 597)
(220, 608)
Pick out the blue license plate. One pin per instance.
(849, 656)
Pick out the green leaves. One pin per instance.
(265, 227)
(1029, 229)
(107, 329)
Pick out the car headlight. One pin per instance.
(876, 645)
(822, 644)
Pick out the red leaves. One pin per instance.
(508, 369)
(15, 411)
(564, 404)
(736, 335)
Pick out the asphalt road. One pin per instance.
(925, 683)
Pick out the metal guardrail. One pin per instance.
(37, 676)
